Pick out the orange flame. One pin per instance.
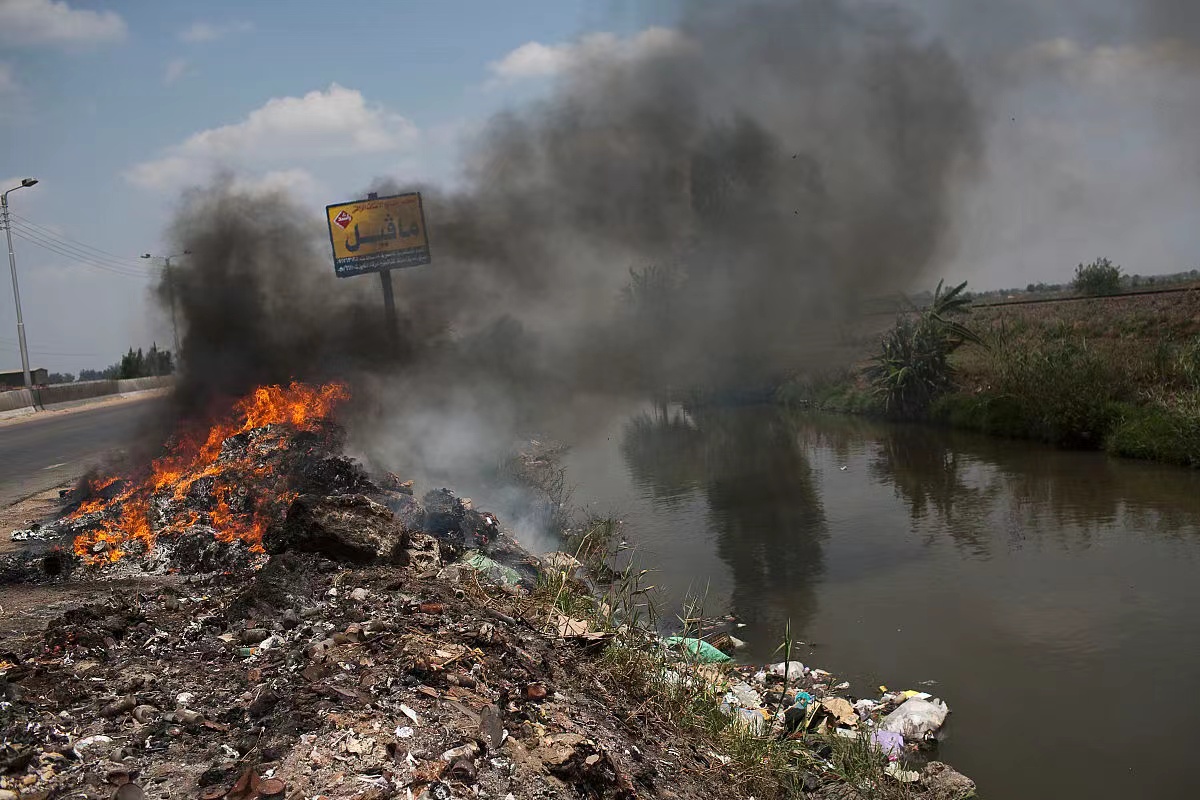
(193, 457)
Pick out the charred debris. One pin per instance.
(271, 621)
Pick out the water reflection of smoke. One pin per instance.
(763, 503)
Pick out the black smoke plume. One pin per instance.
(756, 168)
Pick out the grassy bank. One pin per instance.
(681, 697)
(1119, 374)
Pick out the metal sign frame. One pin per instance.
(381, 260)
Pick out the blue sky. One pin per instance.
(118, 106)
(98, 100)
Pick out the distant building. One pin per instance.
(16, 379)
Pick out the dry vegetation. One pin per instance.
(1118, 373)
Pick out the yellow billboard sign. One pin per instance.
(377, 234)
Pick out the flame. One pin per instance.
(194, 455)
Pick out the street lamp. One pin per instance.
(171, 293)
(12, 265)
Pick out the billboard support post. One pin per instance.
(389, 298)
(379, 234)
(389, 306)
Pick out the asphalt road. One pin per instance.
(37, 454)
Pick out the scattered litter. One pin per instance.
(841, 711)
(916, 718)
(795, 670)
(899, 773)
(408, 712)
(493, 570)
(892, 744)
(704, 652)
(35, 535)
(361, 645)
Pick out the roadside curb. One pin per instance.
(29, 414)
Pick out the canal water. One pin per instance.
(1051, 598)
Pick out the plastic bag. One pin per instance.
(704, 652)
(915, 718)
(795, 670)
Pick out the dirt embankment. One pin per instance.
(264, 619)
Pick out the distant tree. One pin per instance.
(159, 362)
(1031, 287)
(139, 364)
(132, 365)
(1098, 278)
(60, 377)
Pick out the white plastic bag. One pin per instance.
(916, 717)
(795, 670)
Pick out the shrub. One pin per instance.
(1187, 363)
(1098, 278)
(1156, 433)
(1063, 387)
(913, 366)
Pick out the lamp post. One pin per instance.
(171, 293)
(12, 265)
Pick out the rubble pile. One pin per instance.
(371, 677)
(299, 629)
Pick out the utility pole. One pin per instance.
(171, 295)
(12, 266)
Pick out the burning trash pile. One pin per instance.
(299, 629)
(209, 500)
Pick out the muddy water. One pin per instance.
(1051, 598)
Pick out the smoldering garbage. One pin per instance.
(364, 651)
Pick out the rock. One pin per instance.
(271, 787)
(254, 635)
(359, 595)
(941, 782)
(119, 706)
(491, 729)
(8, 794)
(129, 791)
(350, 528)
(187, 716)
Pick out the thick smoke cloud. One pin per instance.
(700, 208)
(698, 211)
(768, 161)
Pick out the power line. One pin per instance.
(50, 233)
(75, 256)
(76, 252)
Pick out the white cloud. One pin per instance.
(55, 22)
(333, 123)
(208, 31)
(537, 60)
(176, 69)
(1108, 66)
(292, 182)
